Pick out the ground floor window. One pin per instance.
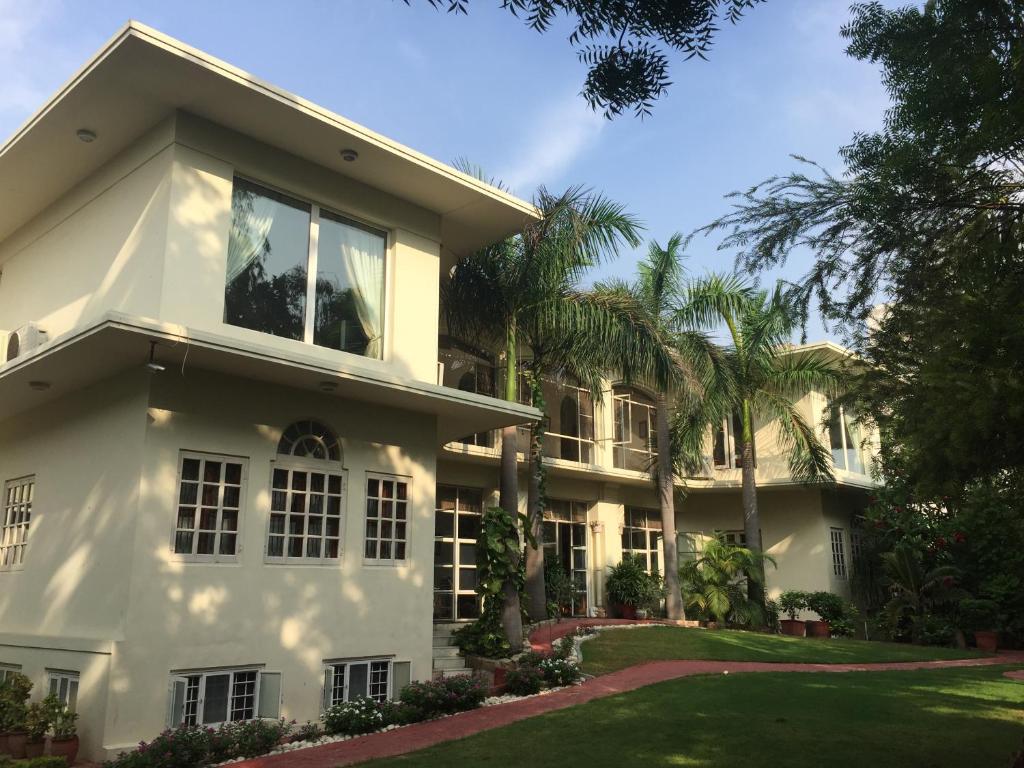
(8, 670)
(641, 536)
(220, 696)
(387, 501)
(456, 527)
(378, 679)
(564, 532)
(63, 685)
(838, 552)
(209, 503)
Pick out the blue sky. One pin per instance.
(487, 88)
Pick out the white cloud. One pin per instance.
(563, 131)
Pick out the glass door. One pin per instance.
(456, 526)
(565, 539)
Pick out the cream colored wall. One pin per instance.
(99, 247)
(66, 606)
(287, 617)
(206, 158)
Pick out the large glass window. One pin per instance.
(267, 253)
(728, 444)
(372, 678)
(641, 536)
(564, 533)
(221, 696)
(838, 552)
(845, 440)
(387, 502)
(634, 446)
(15, 517)
(330, 294)
(456, 528)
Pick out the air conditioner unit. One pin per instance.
(23, 339)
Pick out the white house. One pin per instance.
(234, 482)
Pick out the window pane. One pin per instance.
(349, 287)
(357, 679)
(266, 262)
(215, 703)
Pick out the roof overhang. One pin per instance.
(117, 342)
(141, 77)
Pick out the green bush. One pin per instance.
(34, 762)
(629, 583)
(432, 698)
(978, 615)
(524, 681)
(792, 601)
(14, 692)
(484, 637)
(558, 672)
(309, 731)
(361, 715)
(187, 746)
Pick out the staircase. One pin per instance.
(447, 661)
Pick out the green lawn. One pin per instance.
(922, 719)
(616, 649)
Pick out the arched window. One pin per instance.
(309, 439)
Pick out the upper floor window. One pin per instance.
(301, 272)
(209, 506)
(838, 552)
(307, 496)
(845, 439)
(728, 443)
(387, 502)
(634, 444)
(15, 517)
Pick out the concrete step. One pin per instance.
(442, 673)
(446, 652)
(447, 629)
(450, 664)
(443, 641)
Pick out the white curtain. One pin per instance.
(250, 225)
(362, 254)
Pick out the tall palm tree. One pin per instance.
(656, 296)
(522, 293)
(767, 378)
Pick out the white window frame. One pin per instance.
(623, 405)
(58, 679)
(216, 557)
(330, 678)
(837, 540)
(186, 678)
(312, 258)
(845, 425)
(647, 551)
(394, 538)
(310, 466)
(6, 670)
(14, 531)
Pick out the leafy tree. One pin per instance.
(522, 294)
(656, 295)
(766, 380)
(625, 43)
(713, 583)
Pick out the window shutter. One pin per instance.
(401, 674)
(328, 686)
(177, 705)
(270, 695)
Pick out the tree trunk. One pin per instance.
(751, 516)
(508, 498)
(535, 588)
(666, 497)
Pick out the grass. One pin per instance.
(920, 719)
(617, 649)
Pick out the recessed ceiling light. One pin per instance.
(349, 155)
(84, 134)
(328, 386)
(39, 386)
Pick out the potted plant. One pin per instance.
(980, 617)
(64, 742)
(14, 691)
(628, 586)
(829, 608)
(37, 722)
(791, 602)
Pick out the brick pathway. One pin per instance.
(421, 735)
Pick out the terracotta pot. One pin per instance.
(793, 627)
(34, 748)
(66, 748)
(987, 641)
(818, 629)
(627, 611)
(15, 744)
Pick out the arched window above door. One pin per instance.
(310, 439)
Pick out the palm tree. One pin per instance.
(713, 582)
(655, 296)
(521, 294)
(766, 379)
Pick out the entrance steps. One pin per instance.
(447, 661)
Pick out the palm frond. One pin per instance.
(810, 462)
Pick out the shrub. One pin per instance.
(34, 762)
(840, 614)
(559, 672)
(431, 698)
(558, 586)
(978, 615)
(524, 681)
(791, 602)
(629, 583)
(361, 715)
(249, 738)
(485, 636)
(186, 746)
(308, 731)
(531, 659)
(14, 692)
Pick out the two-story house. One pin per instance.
(236, 482)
